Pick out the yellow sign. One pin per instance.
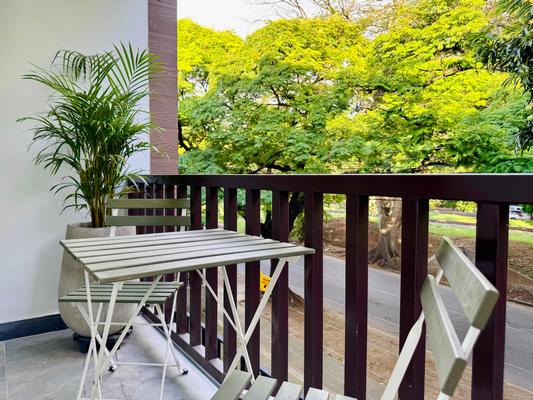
(263, 282)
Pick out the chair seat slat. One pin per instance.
(233, 387)
(316, 394)
(261, 389)
(289, 391)
(130, 293)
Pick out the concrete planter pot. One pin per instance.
(72, 278)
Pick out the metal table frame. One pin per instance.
(265, 249)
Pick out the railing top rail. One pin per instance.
(497, 188)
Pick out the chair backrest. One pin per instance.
(148, 220)
(477, 297)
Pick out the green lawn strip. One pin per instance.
(468, 219)
(470, 232)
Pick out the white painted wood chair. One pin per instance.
(477, 297)
(132, 292)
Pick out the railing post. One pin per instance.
(137, 194)
(251, 277)
(230, 223)
(195, 282)
(313, 292)
(181, 304)
(491, 259)
(149, 194)
(211, 275)
(159, 193)
(415, 218)
(356, 296)
(169, 192)
(280, 295)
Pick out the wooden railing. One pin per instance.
(493, 194)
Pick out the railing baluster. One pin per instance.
(181, 304)
(137, 194)
(252, 274)
(159, 193)
(356, 296)
(491, 258)
(415, 214)
(313, 291)
(211, 275)
(169, 192)
(149, 194)
(230, 223)
(280, 295)
(141, 194)
(195, 282)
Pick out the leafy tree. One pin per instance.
(507, 45)
(199, 50)
(322, 95)
(269, 103)
(428, 95)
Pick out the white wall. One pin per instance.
(31, 31)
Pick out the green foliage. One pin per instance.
(93, 125)
(321, 95)
(430, 93)
(507, 45)
(199, 50)
(269, 103)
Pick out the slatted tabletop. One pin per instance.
(121, 258)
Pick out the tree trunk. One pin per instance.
(387, 249)
(296, 207)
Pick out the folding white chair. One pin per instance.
(131, 292)
(477, 297)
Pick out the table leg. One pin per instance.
(91, 324)
(102, 353)
(242, 348)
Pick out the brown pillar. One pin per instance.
(162, 41)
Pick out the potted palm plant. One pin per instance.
(94, 124)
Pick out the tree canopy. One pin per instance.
(269, 102)
(324, 95)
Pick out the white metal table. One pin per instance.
(118, 259)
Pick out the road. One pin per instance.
(384, 305)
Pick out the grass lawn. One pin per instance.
(441, 229)
(470, 232)
(468, 219)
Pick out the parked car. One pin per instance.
(516, 212)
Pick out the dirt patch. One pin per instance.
(520, 277)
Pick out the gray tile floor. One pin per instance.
(49, 367)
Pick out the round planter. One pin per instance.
(72, 278)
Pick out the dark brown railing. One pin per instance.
(493, 194)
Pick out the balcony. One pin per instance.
(277, 348)
(336, 323)
(295, 342)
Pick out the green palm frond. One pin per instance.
(94, 123)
